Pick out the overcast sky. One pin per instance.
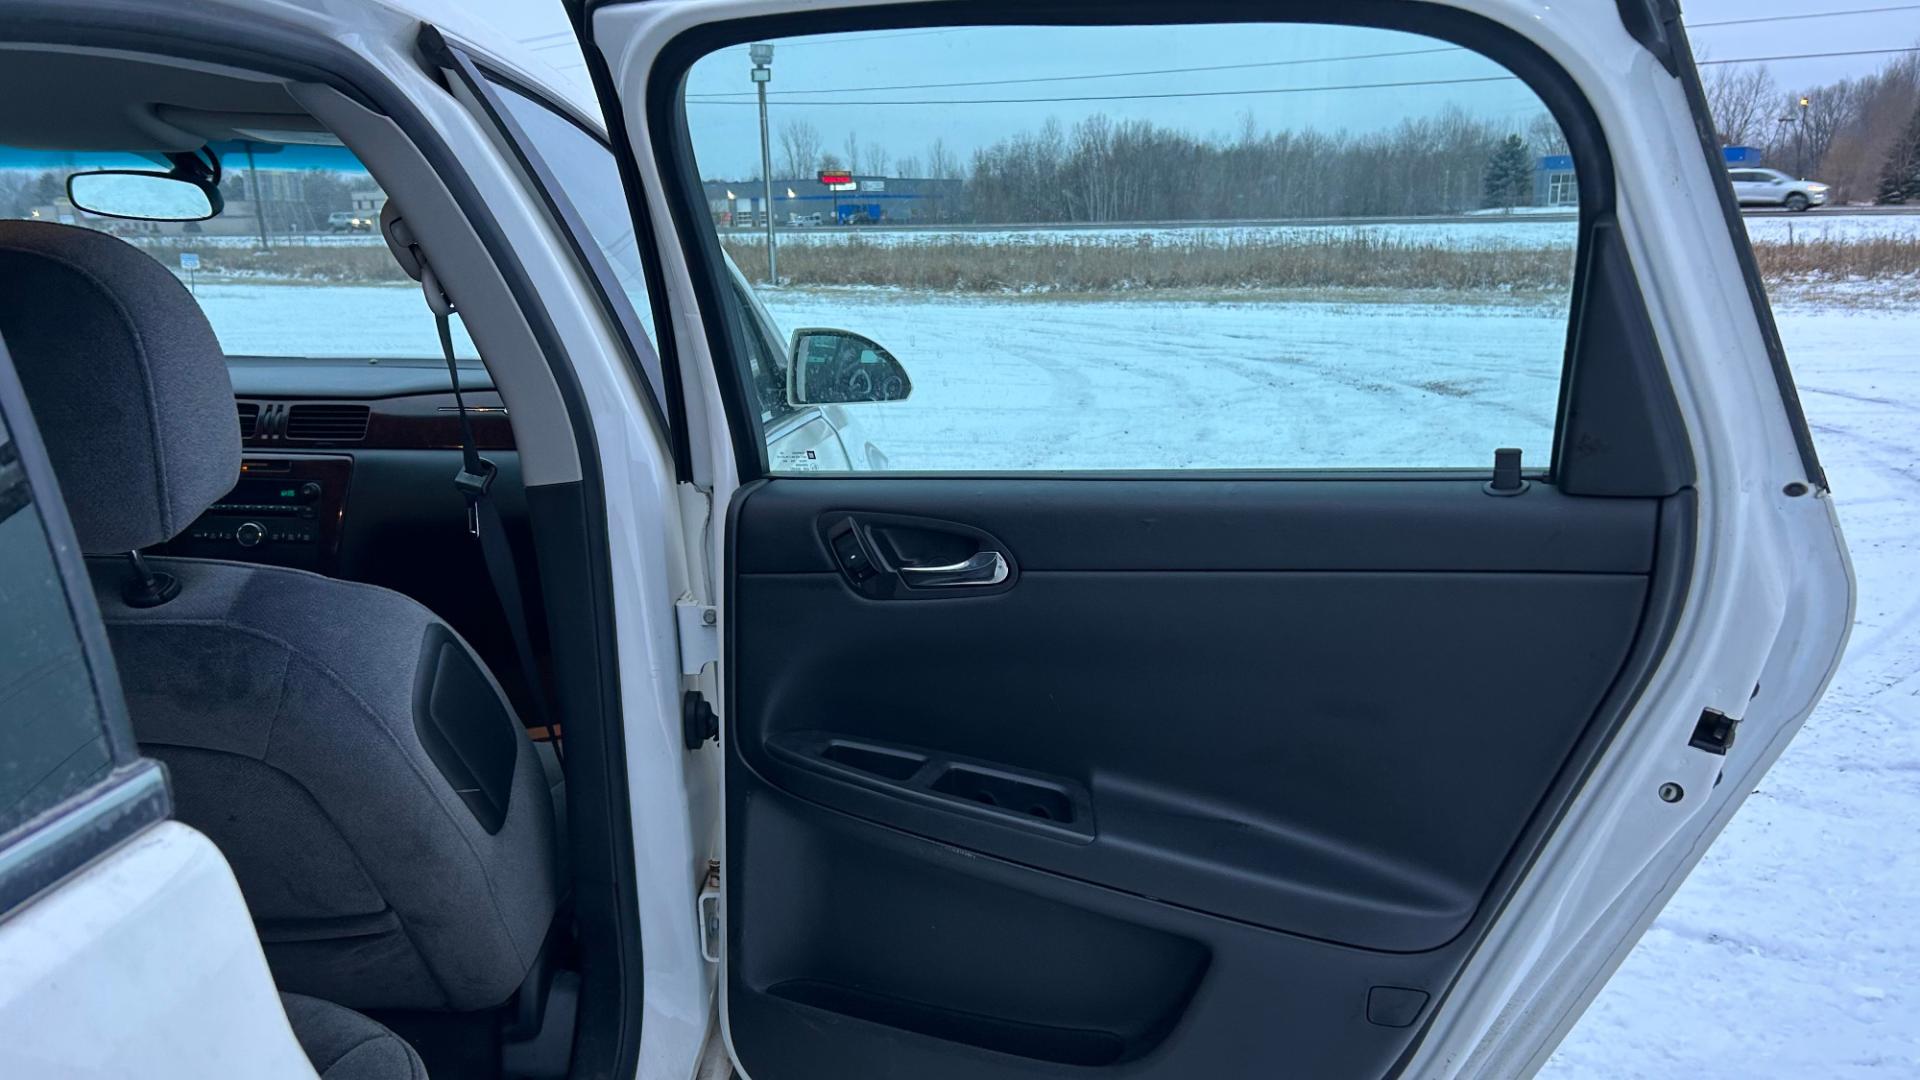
(1294, 58)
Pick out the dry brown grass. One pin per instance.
(1344, 262)
(348, 264)
(1871, 258)
(1063, 268)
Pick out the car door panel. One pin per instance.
(1207, 717)
(1298, 772)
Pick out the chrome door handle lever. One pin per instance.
(982, 568)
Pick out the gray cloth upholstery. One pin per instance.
(126, 381)
(343, 1045)
(283, 705)
(292, 711)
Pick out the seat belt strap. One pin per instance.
(475, 484)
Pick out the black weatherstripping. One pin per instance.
(1655, 24)
(479, 80)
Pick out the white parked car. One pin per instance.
(545, 677)
(1771, 187)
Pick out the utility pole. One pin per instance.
(259, 199)
(1802, 135)
(762, 54)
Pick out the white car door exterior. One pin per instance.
(125, 946)
(879, 922)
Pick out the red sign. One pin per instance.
(832, 178)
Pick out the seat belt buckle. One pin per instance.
(473, 486)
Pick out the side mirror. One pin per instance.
(830, 367)
(143, 196)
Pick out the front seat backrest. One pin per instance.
(381, 806)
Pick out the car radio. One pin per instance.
(285, 510)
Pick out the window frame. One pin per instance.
(1555, 88)
(665, 397)
(44, 850)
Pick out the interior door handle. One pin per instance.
(982, 568)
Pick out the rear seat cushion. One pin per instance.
(344, 1045)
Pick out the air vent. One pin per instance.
(249, 418)
(327, 423)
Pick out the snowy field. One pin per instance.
(1791, 952)
(1155, 384)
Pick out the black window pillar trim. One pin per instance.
(479, 81)
(665, 342)
(609, 1039)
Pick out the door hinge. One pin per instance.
(699, 627)
(709, 908)
(1714, 732)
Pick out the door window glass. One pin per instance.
(1171, 247)
(53, 740)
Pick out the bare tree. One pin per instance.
(1544, 136)
(941, 162)
(1742, 100)
(908, 166)
(877, 159)
(852, 146)
(800, 147)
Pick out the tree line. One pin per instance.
(1104, 168)
(1859, 135)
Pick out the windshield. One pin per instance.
(293, 266)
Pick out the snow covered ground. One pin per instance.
(1793, 950)
(1016, 385)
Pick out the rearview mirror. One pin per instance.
(143, 196)
(841, 367)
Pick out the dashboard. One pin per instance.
(347, 470)
(308, 426)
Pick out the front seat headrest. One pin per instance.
(125, 379)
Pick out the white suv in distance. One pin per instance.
(1771, 187)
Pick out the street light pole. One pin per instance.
(1801, 133)
(762, 54)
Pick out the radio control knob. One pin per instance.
(250, 533)
(309, 492)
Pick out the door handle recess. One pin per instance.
(982, 568)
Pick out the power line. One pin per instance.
(714, 100)
(1143, 97)
(804, 42)
(1806, 15)
(1805, 56)
(1098, 75)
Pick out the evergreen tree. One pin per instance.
(1509, 179)
(1900, 177)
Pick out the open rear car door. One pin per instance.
(1318, 772)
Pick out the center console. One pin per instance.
(285, 511)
